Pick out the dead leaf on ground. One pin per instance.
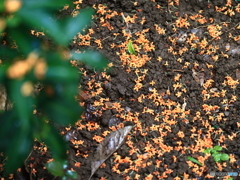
(82, 95)
(184, 105)
(198, 77)
(109, 145)
(238, 74)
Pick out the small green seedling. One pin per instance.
(217, 155)
(194, 160)
(131, 49)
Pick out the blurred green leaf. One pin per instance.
(7, 131)
(61, 33)
(8, 54)
(1, 6)
(23, 40)
(72, 26)
(208, 150)
(213, 151)
(217, 148)
(55, 167)
(15, 141)
(13, 21)
(60, 73)
(224, 157)
(65, 178)
(59, 70)
(71, 174)
(65, 164)
(92, 58)
(3, 70)
(63, 112)
(47, 4)
(51, 137)
(56, 100)
(41, 19)
(23, 104)
(18, 151)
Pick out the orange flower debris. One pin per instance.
(214, 31)
(199, 18)
(159, 29)
(182, 22)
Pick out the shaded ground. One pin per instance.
(181, 90)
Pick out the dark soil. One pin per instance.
(189, 99)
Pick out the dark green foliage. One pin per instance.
(27, 60)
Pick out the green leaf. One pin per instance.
(51, 137)
(1, 6)
(60, 32)
(208, 150)
(55, 168)
(23, 40)
(13, 21)
(224, 157)
(216, 157)
(131, 49)
(18, 151)
(65, 165)
(23, 104)
(42, 20)
(65, 178)
(15, 141)
(59, 70)
(47, 4)
(217, 148)
(60, 73)
(194, 160)
(71, 174)
(92, 58)
(8, 119)
(63, 112)
(213, 151)
(7, 54)
(3, 71)
(72, 26)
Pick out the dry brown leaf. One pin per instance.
(109, 145)
(184, 105)
(201, 78)
(198, 77)
(83, 95)
(238, 74)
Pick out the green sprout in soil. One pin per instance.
(194, 160)
(217, 155)
(131, 49)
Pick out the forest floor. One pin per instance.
(179, 90)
